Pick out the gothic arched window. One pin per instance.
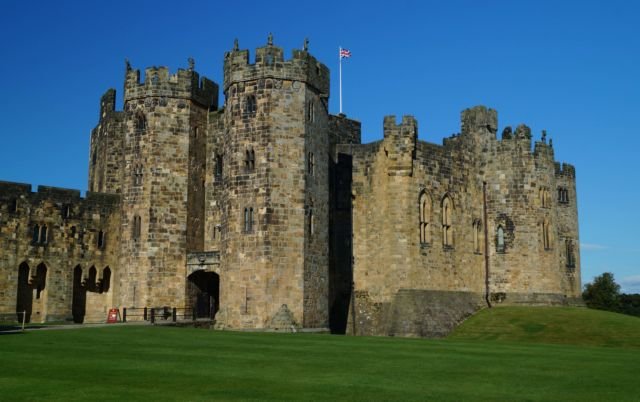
(425, 218)
(500, 239)
(447, 228)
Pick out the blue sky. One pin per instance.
(570, 67)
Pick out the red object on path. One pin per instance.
(113, 316)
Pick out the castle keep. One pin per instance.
(268, 212)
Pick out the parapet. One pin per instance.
(185, 84)
(270, 63)
(565, 170)
(479, 118)
(57, 193)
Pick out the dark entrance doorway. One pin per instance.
(25, 294)
(205, 293)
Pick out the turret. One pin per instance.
(479, 120)
(158, 82)
(400, 144)
(270, 63)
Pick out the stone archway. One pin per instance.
(205, 293)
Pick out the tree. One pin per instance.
(603, 293)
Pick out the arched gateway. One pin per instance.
(203, 284)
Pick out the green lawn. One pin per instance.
(163, 363)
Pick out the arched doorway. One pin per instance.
(25, 293)
(205, 293)
(79, 303)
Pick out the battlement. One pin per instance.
(270, 63)
(186, 84)
(408, 127)
(107, 103)
(565, 169)
(13, 191)
(479, 118)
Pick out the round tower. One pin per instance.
(274, 194)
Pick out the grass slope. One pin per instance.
(160, 363)
(560, 325)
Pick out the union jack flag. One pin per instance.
(345, 54)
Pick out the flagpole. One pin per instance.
(340, 68)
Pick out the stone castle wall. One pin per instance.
(268, 212)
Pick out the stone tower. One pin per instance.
(161, 182)
(267, 207)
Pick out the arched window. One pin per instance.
(44, 235)
(248, 219)
(106, 280)
(545, 234)
(500, 239)
(35, 239)
(571, 258)
(249, 160)
(140, 123)
(250, 105)
(447, 229)
(101, 239)
(41, 279)
(137, 175)
(545, 198)
(477, 236)
(425, 218)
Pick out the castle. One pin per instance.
(269, 212)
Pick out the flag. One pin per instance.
(345, 54)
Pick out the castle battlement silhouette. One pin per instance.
(267, 212)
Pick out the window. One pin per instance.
(447, 229)
(425, 217)
(248, 220)
(570, 255)
(72, 232)
(545, 198)
(310, 163)
(249, 160)
(66, 211)
(94, 158)
(477, 236)
(218, 170)
(13, 206)
(311, 222)
(35, 239)
(137, 175)
(310, 111)
(100, 239)
(140, 123)
(545, 234)
(500, 240)
(563, 195)
(137, 227)
(250, 106)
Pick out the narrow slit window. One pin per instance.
(500, 239)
